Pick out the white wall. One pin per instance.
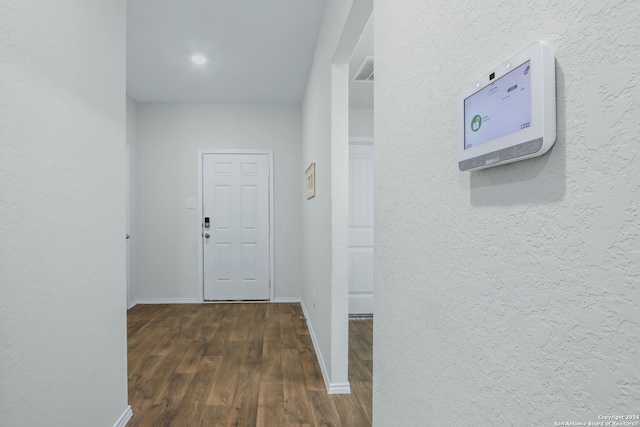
(361, 122)
(507, 296)
(167, 235)
(63, 354)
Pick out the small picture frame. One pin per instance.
(310, 175)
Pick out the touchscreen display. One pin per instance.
(501, 108)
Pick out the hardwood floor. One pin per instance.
(239, 365)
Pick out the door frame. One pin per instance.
(199, 230)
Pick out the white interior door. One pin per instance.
(361, 188)
(236, 250)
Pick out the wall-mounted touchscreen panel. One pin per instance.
(499, 109)
(509, 114)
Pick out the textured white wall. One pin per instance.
(167, 234)
(361, 122)
(63, 354)
(509, 296)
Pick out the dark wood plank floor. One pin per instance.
(239, 365)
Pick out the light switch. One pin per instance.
(191, 204)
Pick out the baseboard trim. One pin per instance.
(286, 299)
(339, 388)
(124, 418)
(332, 388)
(168, 301)
(132, 304)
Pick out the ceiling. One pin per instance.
(258, 51)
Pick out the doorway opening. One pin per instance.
(360, 15)
(235, 204)
(361, 175)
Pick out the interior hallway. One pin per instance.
(239, 365)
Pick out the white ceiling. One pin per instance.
(259, 51)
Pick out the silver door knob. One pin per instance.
(207, 235)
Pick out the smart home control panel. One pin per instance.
(510, 113)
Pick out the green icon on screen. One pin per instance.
(476, 122)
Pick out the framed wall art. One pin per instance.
(310, 175)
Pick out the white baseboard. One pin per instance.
(168, 301)
(124, 418)
(332, 388)
(361, 303)
(286, 299)
(195, 301)
(339, 388)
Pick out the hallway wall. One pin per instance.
(506, 296)
(63, 343)
(167, 235)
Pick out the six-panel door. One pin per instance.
(235, 198)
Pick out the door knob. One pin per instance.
(207, 235)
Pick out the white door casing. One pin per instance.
(128, 220)
(235, 197)
(361, 189)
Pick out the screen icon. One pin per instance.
(476, 122)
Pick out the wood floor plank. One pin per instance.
(271, 367)
(188, 364)
(238, 365)
(244, 407)
(272, 324)
(349, 410)
(299, 322)
(296, 403)
(361, 344)
(143, 347)
(143, 381)
(324, 410)
(144, 316)
(288, 337)
(359, 370)
(214, 416)
(164, 345)
(255, 335)
(364, 393)
(270, 405)
(224, 381)
(192, 408)
(217, 346)
(161, 412)
(310, 365)
(241, 325)
(193, 353)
